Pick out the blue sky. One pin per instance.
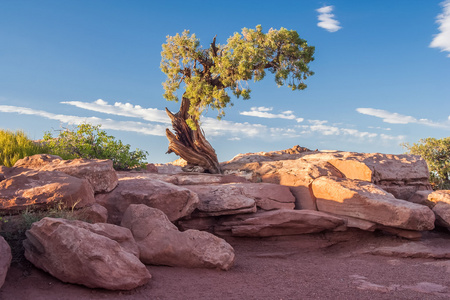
(382, 72)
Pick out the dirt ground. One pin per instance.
(321, 266)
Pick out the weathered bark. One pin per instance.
(191, 145)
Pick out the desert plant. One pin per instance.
(16, 145)
(89, 141)
(436, 152)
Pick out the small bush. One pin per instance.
(436, 152)
(15, 146)
(88, 141)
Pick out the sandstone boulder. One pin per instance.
(98, 172)
(364, 200)
(37, 161)
(281, 222)
(160, 242)
(298, 174)
(44, 188)
(216, 200)
(176, 202)
(442, 212)
(94, 255)
(5, 260)
(94, 213)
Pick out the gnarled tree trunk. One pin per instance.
(191, 145)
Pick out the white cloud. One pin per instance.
(264, 112)
(144, 128)
(395, 118)
(442, 39)
(327, 20)
(123, 109)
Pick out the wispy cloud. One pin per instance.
(123, 109)
(265, 112)
(131, 126)
(327, 20)
(396, 118)
(442, 39)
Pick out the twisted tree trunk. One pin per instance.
(191, 145)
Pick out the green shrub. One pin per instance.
(16, 145)
(436, 152)
(88, 141)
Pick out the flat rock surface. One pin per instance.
(296, 267)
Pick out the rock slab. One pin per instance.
(94, 255)
(160, 242)
(364, 200)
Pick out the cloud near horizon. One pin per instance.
(396, 118)
(327, 20)
(233, 131)
(264, 112)
(442, 39)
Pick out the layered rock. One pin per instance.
(5, 259)
(94, 255)
(280, 222)
(440, 203)
(98, 172)
(176, 202)
(160, 242)
(364, 200)
(43, 189)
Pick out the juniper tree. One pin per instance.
(209, 75)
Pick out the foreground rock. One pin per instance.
(176, 202)
(5, 259)
(366, 201)
(281, 222)
(98, 172)
(94, 255)
(437, 248)
(160, 242)
(44, 189)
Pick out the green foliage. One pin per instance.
(436, 152)
(209, 74)
(15, 146)
(88, 141)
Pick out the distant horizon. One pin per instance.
(381, 73)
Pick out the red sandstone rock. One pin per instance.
(98, 172)
(366, 201)
(94, 255)
(160, 242)
(94, 213)
(176, 202)
(5, 259)
(281, 222)
(43, 188)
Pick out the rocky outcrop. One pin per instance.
(176, 202)
(160, 242)
(364, 200)
(98, 172)
(280, 222)
(440, 203)
(5, 260)
(43, 189)
(94, 255)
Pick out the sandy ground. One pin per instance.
(321, 266)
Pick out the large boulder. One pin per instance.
(44, 188)
(94, 255)
(176, 202)
(440, 203)
(281, 222)
(161, 243)
(238, 198)
(98, 172)
(364, 200)
(5, 260)
(298, 174)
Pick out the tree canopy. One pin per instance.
(209, 75)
